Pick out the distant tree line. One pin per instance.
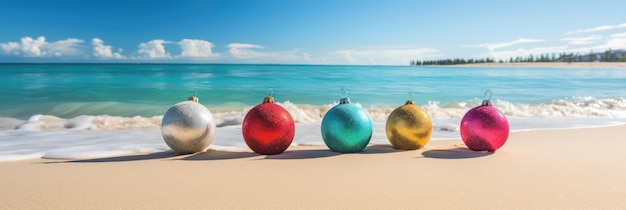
(607, 56)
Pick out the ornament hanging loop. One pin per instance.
(194, 97)
(269, 93)
(342, 91)
(344, 97)
(487, 101)
(410, 97)
(269, 96)
(485, 95)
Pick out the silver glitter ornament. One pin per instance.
(188, 127)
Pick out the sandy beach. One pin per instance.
(552, 169)
(606, 65)
(97, 98)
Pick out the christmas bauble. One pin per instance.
(188, 127)
(484, 127)
(268, 128)
(346, 128)
(409, 127)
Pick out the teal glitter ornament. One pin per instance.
(346, 128)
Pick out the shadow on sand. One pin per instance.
(208, 155)
(322, 153)
(225, 155)
(302, 154)
(151, 156)
(454, 153)
(380, 149)
(219, 155)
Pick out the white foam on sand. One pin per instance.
(87, 137)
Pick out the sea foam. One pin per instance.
(445, 117)
(302, 113)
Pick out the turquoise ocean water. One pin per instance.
(147, 89)
(73, 100)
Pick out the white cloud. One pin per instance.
(64, 47)
(306, 57)
(377, 56)
(32, 47)
(599, 28)
(240, 50)
(618, 35)
(492, 47)
(582, 45)
(104, 51)
(153, 49)
(39, 47)
(190, 49)
(196, 48)
(11, 48)
(392, 56)
(522, 52)
(248, 53)
(582, 40)
(348, 56)
(240, 45)
(615, 43)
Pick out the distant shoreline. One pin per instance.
(608, 65)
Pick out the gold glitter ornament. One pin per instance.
(409, 127)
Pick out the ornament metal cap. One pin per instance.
(268, 99)
(487, 101)
(194, 97)
(268, 96)
(344, 98)
(411, 99)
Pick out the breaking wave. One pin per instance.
(302, 113)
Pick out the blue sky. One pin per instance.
(303, 31)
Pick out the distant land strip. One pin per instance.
(606, 58)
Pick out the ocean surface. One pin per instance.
(103, 110)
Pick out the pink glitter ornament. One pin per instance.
(484, 127)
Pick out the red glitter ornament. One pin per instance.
(268, 128)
